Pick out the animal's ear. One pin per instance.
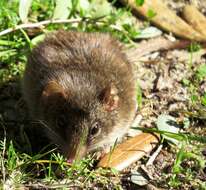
(109, 97)
(53, 93)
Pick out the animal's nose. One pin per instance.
(76, 154)
(70, 160)
(71, 157)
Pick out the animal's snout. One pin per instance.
(70, 161)
(76, 153)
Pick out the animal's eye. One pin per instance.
(95, 130)
(61, 121)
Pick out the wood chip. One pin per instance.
(129, 151)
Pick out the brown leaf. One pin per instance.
(166, 19)
(193, 16)
(153, 45)
(129, 151)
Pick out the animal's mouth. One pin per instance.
(76, 147)
(76, 153)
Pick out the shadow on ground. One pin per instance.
(15, 123)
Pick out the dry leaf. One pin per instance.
(129, 151)
(193, 16)
(153, 45)
(166, 19)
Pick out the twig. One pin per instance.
(39, 24)
(153, 45)
(154, 155)
(52, 186)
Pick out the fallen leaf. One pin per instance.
(193, 16)
(153, 45)
(129, 151)
(165, 18)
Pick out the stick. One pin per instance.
(38, 24)
(153, 45)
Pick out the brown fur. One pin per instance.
(77, 83)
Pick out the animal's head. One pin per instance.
(82, 122)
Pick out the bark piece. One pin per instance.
(193, 16)
(129, 151)
(152, 45)
(166, 19)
